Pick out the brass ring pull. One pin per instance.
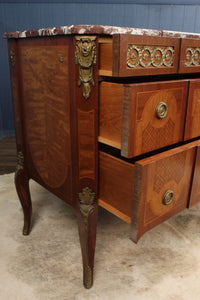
(161, 110)
(168, 197)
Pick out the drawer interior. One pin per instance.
(116, 185)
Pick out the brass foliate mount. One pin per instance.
(85, 57)
(12, 57)
(86, 198)
(20, 163)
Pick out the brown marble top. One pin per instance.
(97, 29)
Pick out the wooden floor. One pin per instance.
(8, 157)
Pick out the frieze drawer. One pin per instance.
(140, 118)
(134, 55)
(189, 56)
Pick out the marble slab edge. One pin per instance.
(96, 29)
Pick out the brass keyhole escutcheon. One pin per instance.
(161, 110)
(12, 57)
(168, 197)
(25, 57)
(61, 58)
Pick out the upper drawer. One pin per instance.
(139, 118)
(189, 56)
(134, 55)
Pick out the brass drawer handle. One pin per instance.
(168, 197)
(161, 110)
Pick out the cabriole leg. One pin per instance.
(22, 187)
(87, 223)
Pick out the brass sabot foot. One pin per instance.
(88, 278)
(26, 229)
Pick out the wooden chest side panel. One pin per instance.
(192, 126)
(116, 185)
(153, 178)
(15, 86)
(145, 131)
(45, 88)
(110, 113)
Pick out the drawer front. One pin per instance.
(192, 127)
(153, 116)
(189, 56)
(161, 187)
(134, 55)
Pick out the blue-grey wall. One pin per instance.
(182, 15)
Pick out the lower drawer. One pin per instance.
(150, 191)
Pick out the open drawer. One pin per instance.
(135, 55)
(142, 117)
(149, 191)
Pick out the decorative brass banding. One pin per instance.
(168, 56)
(157, 57)
(196, 57)
(161, 110)
(133, 56)
(85, 57)
(189, 56)
(147, 56)
(12, 57)
(168, 197)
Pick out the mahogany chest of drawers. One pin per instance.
(108, 116)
